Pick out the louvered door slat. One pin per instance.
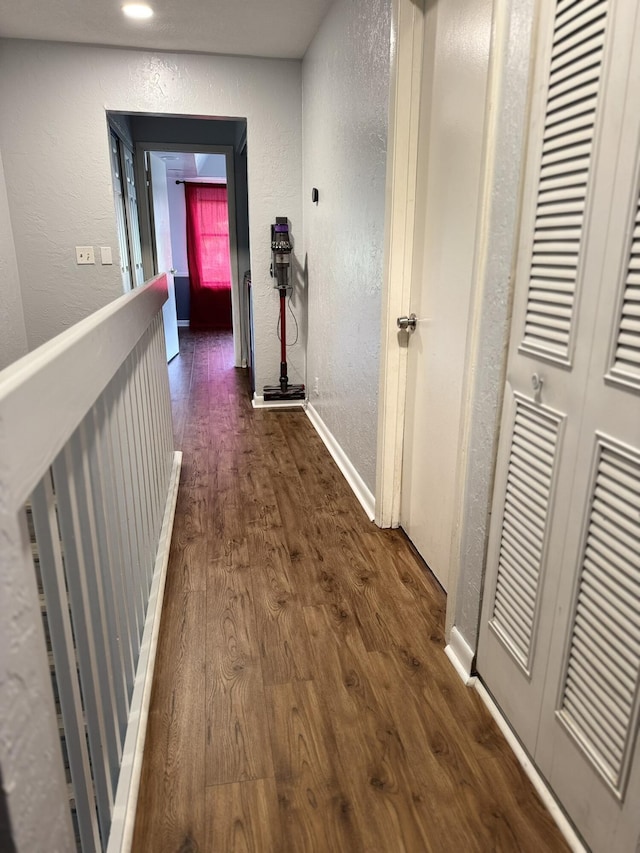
(631, 324)
(523, 533)
(535, 461)
(606, 628)
(571, 196)
(626, 354)
(566, 159)
(600, 546)
(544, 332)
(602, 690)
(561, 301)
(546, 307)
(563, 180)
(629, 357)
(578, 53)
(514, 567)
(616, 504)
(605, 727)
(530, 476)
(525, 486)
(561, 87)
(522, 555)
(592, 602)
(522, 593)
(517, 630)
(596, 647)
(562, 104)
(566, 10)
(619, 482)
(533, 519)
(608, 753)
(624, 525)
(579, 133)
(577, 127)
(554, 273)
(580, 29)
(600, 699)
(601, 526)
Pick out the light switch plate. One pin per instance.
(85, 255)
(105, 255)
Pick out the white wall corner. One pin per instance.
(358, 485)
(259, 402)
(461, 656)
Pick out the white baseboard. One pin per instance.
(183, 324)
(358, 485)
(124, 808)
(461, 656)
(543, 790)
(259, 402)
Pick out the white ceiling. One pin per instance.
(273, 28)
(183, 165)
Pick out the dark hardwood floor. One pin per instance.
(302, 698)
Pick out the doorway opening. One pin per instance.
(172, 154)
(198, 221)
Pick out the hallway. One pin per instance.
(302, 700)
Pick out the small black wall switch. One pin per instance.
(314, 195)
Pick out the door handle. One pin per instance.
(407, 324)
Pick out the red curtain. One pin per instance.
(208, 256)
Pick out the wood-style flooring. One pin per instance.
(302, 699)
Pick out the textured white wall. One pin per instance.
(345, 120)
(13, 337)
(53, 137)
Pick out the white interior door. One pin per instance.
(560, 635)
(454, 82)
(121, 220)
(131, 201)
(164, 253)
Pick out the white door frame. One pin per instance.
(407, 37)
(488, 330)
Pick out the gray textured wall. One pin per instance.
(13, 337)
(345, 121)
(55, 150)
(487, 350)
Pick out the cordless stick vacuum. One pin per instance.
(281, 272)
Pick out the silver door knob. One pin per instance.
(407, 323)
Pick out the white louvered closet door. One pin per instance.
(588, 746)
(560, 643)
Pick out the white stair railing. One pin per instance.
(86, 443)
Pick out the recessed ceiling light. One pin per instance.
(137, 10)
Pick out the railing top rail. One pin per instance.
(45, 395)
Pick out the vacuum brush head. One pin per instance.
(291, 392)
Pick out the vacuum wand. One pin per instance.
(281, 272)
